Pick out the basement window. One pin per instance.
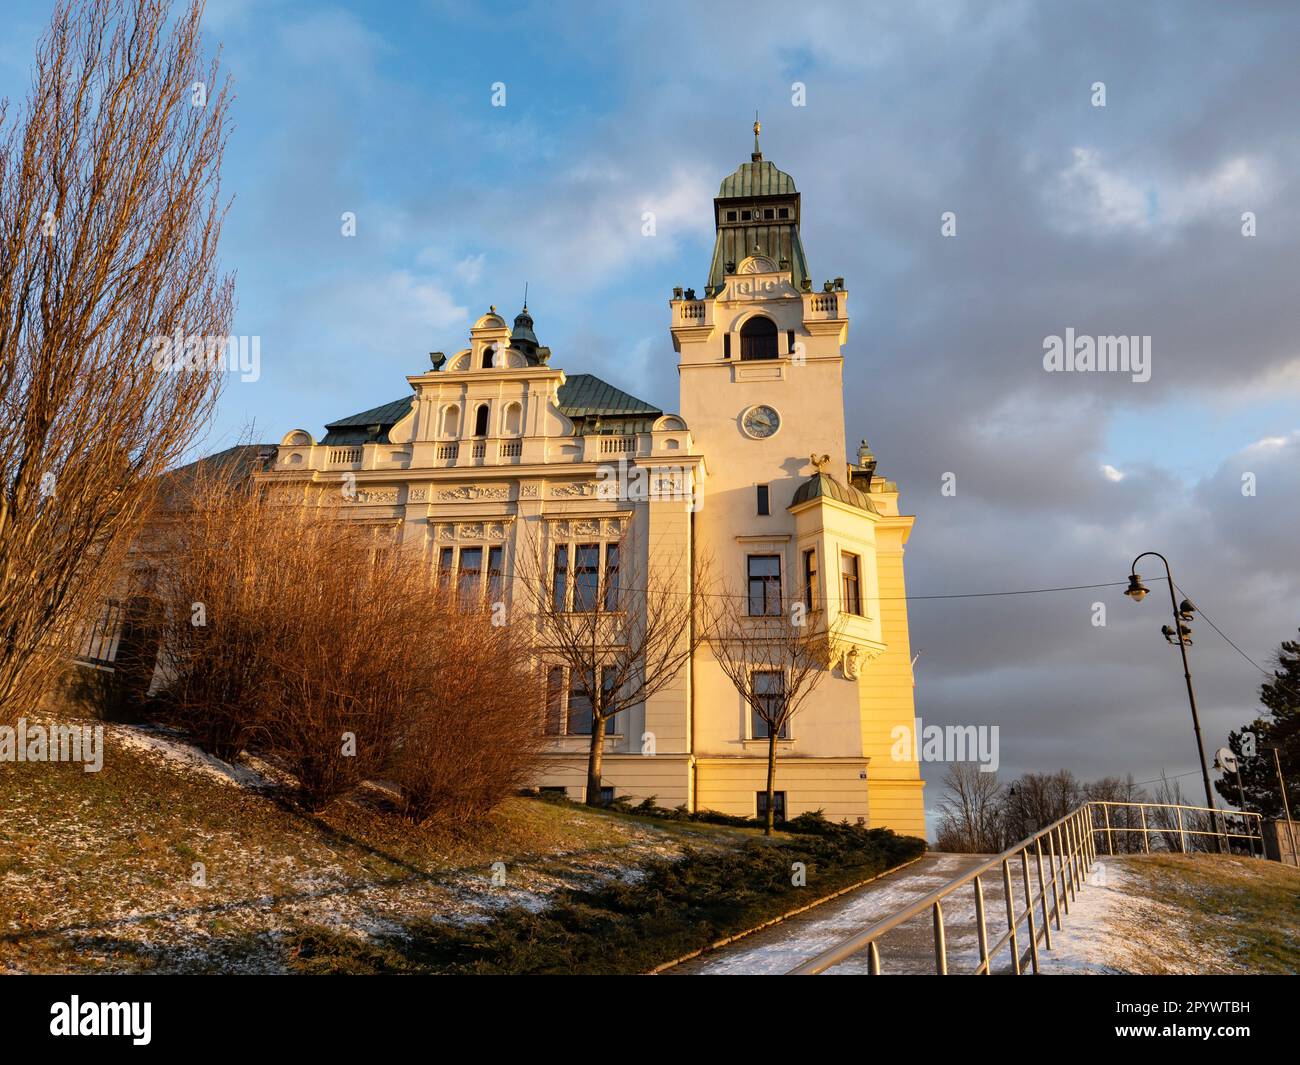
(778, 806)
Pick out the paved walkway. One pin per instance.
(907, 949)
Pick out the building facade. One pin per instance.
(496, 457)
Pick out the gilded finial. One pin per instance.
(758, 128)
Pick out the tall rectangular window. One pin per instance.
(789, 341)
(851, 598)
(496, 588)
(764, 585)
(579, 723)
(764, 500)
(611, 577)
(768, 687)
(446, 560)
(554, 722)
(726, 345)
(467, 577)
(586, 577)
(560, 577)
(810, 590)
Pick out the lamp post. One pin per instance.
(1286, 806)
(1181, 634)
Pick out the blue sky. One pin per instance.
(1122, 219)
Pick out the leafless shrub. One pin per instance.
(109, 220)
(470, 734)
(286, 629)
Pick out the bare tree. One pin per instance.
(775, 661)
(621, 632)
(110, 214)
(1125, 821)
(970, 814)
(1035, 800)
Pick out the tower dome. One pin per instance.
(756, 213)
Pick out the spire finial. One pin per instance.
(758, 128)
(525, 295)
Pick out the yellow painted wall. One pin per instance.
(887, 697)
(833, 785)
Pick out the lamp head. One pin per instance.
(1136, 590)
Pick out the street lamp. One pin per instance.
(1181, 634)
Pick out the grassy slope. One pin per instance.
(1236, 915)
(95, 869)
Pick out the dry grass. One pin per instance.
(95, 868)
(1213, 914)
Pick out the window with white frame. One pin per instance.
(767, 688)
(851, 577)
(569, 710)
(585, 576)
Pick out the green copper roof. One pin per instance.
(585, 395)
(759, 178)
(582, 395)
(368, 426)
(755, 188)
(824, 486)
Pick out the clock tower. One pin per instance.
(761, 376)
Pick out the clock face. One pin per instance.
(760, 421)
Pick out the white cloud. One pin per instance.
(1111, 474)
(470, 268)
(1091, 194)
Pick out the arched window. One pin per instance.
(481, 420)
(451, 420)
(513, 420)
(758, 339)
(488, 353)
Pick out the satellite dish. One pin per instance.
(1225, 760)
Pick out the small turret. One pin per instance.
(522, 337)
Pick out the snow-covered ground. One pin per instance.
(185, 756)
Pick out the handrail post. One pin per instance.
(1054, 859)
(873, 959)
(1070, 858)
(1042, 893)
(1011, 916)
(980, 928)
(1110, 840)
(1029, 909)
(1146, 837)
(1182, 836)
(940, 942)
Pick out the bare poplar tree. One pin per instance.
(621, 635)
(775, 661)
(110, 213)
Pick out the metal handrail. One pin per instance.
(1179, 829)
(1070, 854)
